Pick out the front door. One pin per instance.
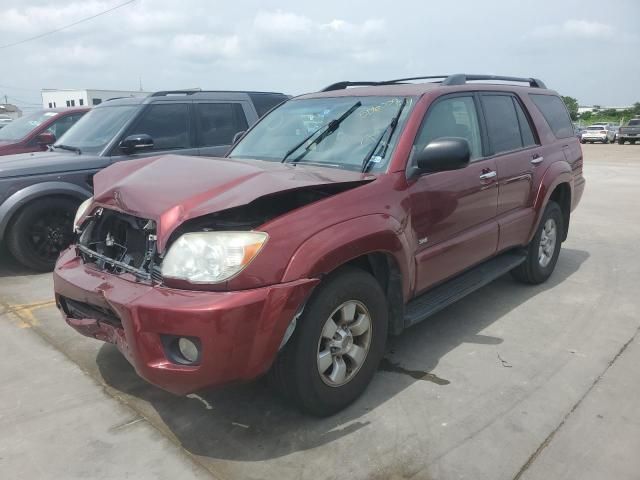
(453, 213)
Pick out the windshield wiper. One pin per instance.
(68, 147)
(390, 128)
(329, 128)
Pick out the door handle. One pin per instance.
(537, 160)
(488, 175)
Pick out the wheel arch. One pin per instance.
(20, 199)
(374, 243)
(556, 185)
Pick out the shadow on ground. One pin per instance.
(9, 267)
(250, 423)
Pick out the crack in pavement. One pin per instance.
(549, 438)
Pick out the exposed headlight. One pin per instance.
(82, 209)
(211, 257)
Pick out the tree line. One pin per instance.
(609, 115)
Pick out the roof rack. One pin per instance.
(455, 79)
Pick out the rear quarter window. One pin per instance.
(555, 113)
(263, 102)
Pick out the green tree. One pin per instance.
(609, 112)
(636, 108)
(586, 115)
(572, 106)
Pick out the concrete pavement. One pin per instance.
(507, 383)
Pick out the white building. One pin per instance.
(54, 98)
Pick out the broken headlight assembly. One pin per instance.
(211, 257)
(82, 209)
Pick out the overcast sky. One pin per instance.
(589, 49)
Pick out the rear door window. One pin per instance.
(167, 124)
(555, 113)
(217, 123)
(502, 123)
(526, 132)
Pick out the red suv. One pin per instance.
(340, 218)
(34, 132)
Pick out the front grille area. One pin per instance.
(81, 311)
(117, 243)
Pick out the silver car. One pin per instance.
(604, 133)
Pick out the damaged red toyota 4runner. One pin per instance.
(340, 218)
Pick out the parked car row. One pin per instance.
(339, 218)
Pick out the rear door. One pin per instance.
(217, 123)
(453, 213)
(515, 148)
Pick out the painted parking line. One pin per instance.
(24, 314)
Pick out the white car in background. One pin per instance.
(604, 133)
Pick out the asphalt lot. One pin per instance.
(513, 382)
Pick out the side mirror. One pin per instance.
(442, 154)
(238, 136)
(45, 138)
(136, 143)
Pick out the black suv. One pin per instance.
(40, 192)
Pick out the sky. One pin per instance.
(587, 49)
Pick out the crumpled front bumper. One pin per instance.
(239, 332)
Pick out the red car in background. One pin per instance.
(33, 132)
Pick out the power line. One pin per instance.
(19, 42)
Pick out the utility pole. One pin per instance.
(5, 99)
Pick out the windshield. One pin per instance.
(342, 132)
(21, 127)
(93, 131)
(596, 127)
(633, 123)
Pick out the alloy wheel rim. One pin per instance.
(547, 245)
(344, 343)
(50, 234)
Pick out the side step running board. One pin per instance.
(453, 290)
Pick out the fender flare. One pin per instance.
(337, 245)
(557, 173)
(22, 197)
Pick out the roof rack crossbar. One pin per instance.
(164, 93)
(343, 85)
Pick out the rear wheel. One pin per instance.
(633, 142)
(606, 140)
(337, 345)
(621, 141)
(583, 141)
(41, 230)
(543, 251)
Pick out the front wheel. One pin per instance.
(621, 141)
(41, 230)
(337, 345)
(543, 251)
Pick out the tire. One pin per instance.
(583, 141)
(621, 141)
(535, 269)
(40, 231)
(296, 372)
(632, 142)
(606, 140)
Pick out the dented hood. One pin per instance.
(172, 188)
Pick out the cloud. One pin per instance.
(77, 55)
(579, 29)
(204, 46)
(39, 19)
